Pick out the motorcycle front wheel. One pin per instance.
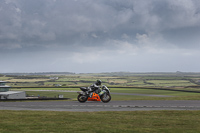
(105, 97)
(81, 98)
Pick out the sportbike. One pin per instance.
(85, 95)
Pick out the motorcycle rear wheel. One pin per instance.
(81, 98)
(105, 98)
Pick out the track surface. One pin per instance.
(99, 106)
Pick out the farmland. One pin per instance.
(122, 82)
(170, 80)
(171, 85)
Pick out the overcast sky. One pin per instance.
(87, 36)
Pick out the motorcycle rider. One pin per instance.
(95, 87)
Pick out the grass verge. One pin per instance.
(175, 95)
(100, 122)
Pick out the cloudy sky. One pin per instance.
(87, 36)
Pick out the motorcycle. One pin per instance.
(85, 95)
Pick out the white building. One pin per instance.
(13, 95)
(5, 92)
(53, 78)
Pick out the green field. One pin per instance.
(105, 122)
(139, 83)
(100, 122)
(173, 95)
(169, 80)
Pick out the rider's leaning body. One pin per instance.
(96, 87)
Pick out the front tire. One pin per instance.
(81, 98)
(105, 97)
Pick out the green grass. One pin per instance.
(100, 122)
(71, 95)
(175, 95)
(128, 97)
(86, 80)
(108, 122)
(59, 88)
(171, 82)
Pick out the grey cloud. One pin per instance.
(187, 37)
(73, 30)
(61, 21)
(65, 22)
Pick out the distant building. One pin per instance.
(57, 85)
(53, 78)
(5, 92)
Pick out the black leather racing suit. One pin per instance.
(95, 88)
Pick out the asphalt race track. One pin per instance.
(91, 106)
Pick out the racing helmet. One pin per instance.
(98, 82)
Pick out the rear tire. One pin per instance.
(105, 97)
(81, 98)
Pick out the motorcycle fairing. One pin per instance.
(95, 97)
